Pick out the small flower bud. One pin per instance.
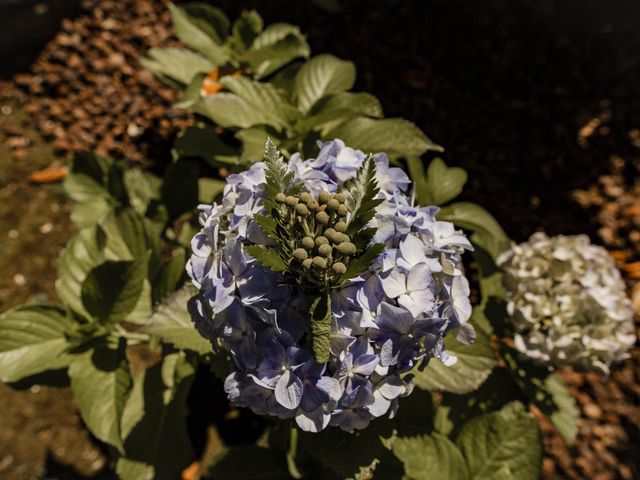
(346, 248)
(280, 197)
(313, 205)
(343, 210)
(324, 197)
(320, 263)
(341, 197)
(308, 243)
(329, 232)
(291, 201)
(305, 197)
(322, 218)
(333, 205)
(321, 241)
(339, 268)
(338, 237)
(307, 263)
(301, 209)
(340, 227)
(325, 250)
(300, 254)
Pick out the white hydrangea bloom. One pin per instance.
(568, 302)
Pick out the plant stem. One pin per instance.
(291, 454)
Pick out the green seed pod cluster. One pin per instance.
(321, 249)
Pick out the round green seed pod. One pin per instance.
(329, 232)
(346, 248)
(305, 197)
(308, 243)
(291, 201)
(343, 210)
(300, 254)
(325, 250)
(339, 268)
(340, 227)
(321, 241)
(313, 205)
(307, 263)
(320, 263)
(322, 218)
(281, 197)
(341, 197)
(324, 197)
(339, 238)
(333, 205)
(301, 209)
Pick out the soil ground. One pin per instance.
(537, 100)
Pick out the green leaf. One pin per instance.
(546, 391)
(248, 462)
(502, 445)
(429, 457)
(361, 192)
(267, 257)
(561, 408)
(474, 365)
(333, 109)
(275, 47)
(80, 255)
(32, 341)
(262, 97)
(394, 136)
(169, 275)
(172, 323)
(475, 218)
(96, 186)
(202, 142)
(209, 189)
(362, 262)
(153, 420)
(443, 183)
(203, 28)
(232, 111)
(142, 188)
(321, 322)
(180, 187)
(100, 381)
(111, 290)
(175, 64)
(253, 140)
(320, 76)
(246, 28)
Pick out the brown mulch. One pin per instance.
(537, 100)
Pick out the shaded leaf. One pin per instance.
(111, 290)
(201, 141)
(443, 183)
(333, 109)
(100, 381)
(153, 420)
(474, 365)
(180, 187)
(246, 28)
(169, 276)
(276, 46)
(249, 462)
(172, 323)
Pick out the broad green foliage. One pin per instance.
(502, 445)
(172, 323)
(100, 380)
(475, 363)
(31, 341)
(429, 457)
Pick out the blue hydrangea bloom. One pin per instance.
(387, 321)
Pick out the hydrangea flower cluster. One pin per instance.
(384, 320)
(568, 302)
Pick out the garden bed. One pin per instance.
(529, 99)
